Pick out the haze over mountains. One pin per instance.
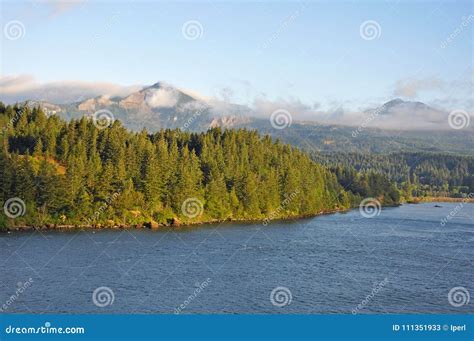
(155, 107)
(396, 125)
(164, 106)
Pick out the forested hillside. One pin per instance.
(81, 173)
(322, 138)
(415, 174)
(73, 173)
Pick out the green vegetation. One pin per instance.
(367, 184)
(414, 174)
(73, 173)
(313, 137)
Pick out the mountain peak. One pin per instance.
(400, 104)
(158, 85)
(398, 107)
(395, 101)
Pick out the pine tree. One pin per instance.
(217, 198)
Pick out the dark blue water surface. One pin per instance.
(401, 261)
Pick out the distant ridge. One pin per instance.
(163, 106)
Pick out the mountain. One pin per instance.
(395, 126)
(409, 127)
(408, 115)
(154, 107)
(314, 137)
(160, 106)
(168, 179)
(398, 104)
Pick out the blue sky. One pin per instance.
(311, 52)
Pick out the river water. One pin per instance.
(405, 260)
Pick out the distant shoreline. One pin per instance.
(417, 200)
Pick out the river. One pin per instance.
(407, 259)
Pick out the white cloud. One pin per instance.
(405, 117)
(194, 107)
(414, 87)
(300, 111)
(25, 87)
(162, 98)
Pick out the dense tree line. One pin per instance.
(367, 184)
(345, 139)
(73, 173)
(415, 174)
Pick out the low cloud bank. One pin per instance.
(21, 88)
(400, 115)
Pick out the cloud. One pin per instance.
(335, 114)
(25, 87)
(412, 87)
(12, 84)
(403, 116)
(460, 87)
(194, 107)
(162, 98)
(300, 111)
(195, 94)
(235, 91)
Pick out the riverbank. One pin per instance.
(174, 223)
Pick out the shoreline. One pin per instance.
(263, 221)
(147, 226)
